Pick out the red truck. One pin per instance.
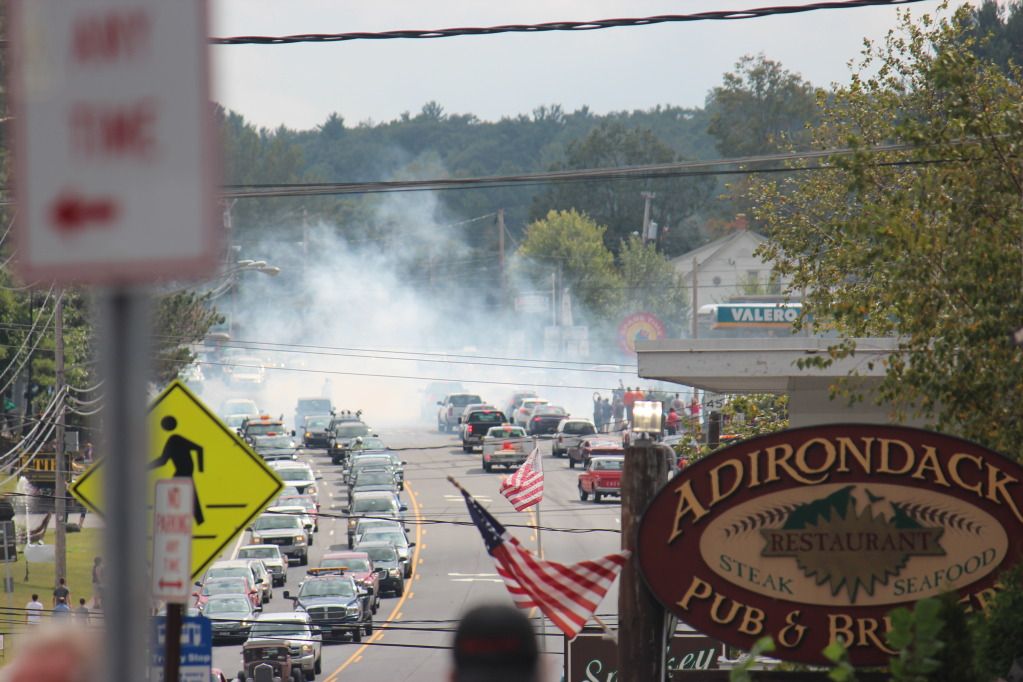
(602, 476)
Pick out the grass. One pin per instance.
(81, 549)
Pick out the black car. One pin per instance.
(342, 432)
(336, 605)
(315, 431)
(545, 420)
(384, 556)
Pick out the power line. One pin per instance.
(557, 26)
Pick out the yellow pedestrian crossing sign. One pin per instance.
(232, 483)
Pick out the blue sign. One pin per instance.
(196, 648)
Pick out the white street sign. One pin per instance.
(172, 540)
(114, 147)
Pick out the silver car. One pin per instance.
(271, 557)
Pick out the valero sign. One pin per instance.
(815, 534)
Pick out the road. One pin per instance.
(452, 569)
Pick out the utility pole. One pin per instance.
(695, 305)
(647, 198)
(60, 486)
(500, 251)
(642, 626)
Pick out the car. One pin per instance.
(336, 605)
(366, 523)
(315, 431)
(271, 557)
(602, 476)
(545, 419)
(525, 411)
(243, 406)
(306, 407)
(400, 541)
(472, 408)
(285, 531)
(307, 502)
(386, 560)
(397, 463)
(476, 425)
(234, 585)
(435, 392)
(378, 504)
(506, 446)
(358, 566)
(257, 574)
(263, 425)
(235, 421)
(569, 434)
(231, 616)
(516, 401)
(296, 631)
(374, 479)
(298, 475)
(451, 409)
(269, 655)
(342, 432)
(246, 370)
(275, 448)
(594, 447)
(369, 460)
(301, 512)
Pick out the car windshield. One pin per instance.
(295, 501)
(263, 429)
(374, 478)
(276, 522)
(327, 588)
(488, 417)
(375, 505)
(352, 564)
(366, 524)
(606, 451)
(294, 475)
(371, 443)
(608, 464)
(351, 430)
(317, 422)
(579, 428)
(279, 629)
(368, 462)
(213, 586)
(258, 553)
(530, 404)
(382, 553)
(395, 537)
(234, 604)
(272, 442)
(506, 433)
(466, 399)
(552, 410)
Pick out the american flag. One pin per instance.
(524, 488)
(568, 595)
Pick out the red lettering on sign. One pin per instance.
(110, 36)
(173, 524)
(99, 131)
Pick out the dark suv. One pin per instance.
(336, 604)
(451, 409)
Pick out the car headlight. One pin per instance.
(351, 523)
(307, 648)
(352, 610)
(299, 539)
(308, 435)
(394, 573)
(256, 540)
(310, 490)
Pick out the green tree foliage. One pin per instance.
(997, 32)
(650, 283)
(574, 243)
(759, 108)
(915, 635)
(999, 632)
(929, 252)
(956, 656)
(180, 319)
(619, 205)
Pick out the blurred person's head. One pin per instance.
(495, 643)
(56, 653)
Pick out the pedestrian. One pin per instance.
(673, 421)
(82, 612)
(496, 643)
(81, 518)
(618, 410)
(605, 411)
(61, 593)
(678, 404)
(87, 452)
(97, 583)
(34, 611)
(629, 399)
(597, 411)
(61, 609)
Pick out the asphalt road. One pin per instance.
(452, 569)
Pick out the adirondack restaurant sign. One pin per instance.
(812, 534)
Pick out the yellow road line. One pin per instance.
(395, 612)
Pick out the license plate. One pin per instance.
(611, 484)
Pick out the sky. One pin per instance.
(495, 76)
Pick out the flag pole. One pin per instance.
(539, 548)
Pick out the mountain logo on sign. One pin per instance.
(851, 549)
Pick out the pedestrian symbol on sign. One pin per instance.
(178, 450)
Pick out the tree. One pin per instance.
(651, 283)
(759, 107)
(998, 33)
(181, 319)
(573, 244)
(924, 244)
(619, 205)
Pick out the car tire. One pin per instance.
(571, 463)
(597, 496)
(400, 589)
(318, 666)
(351, 541)
(369, 628)
(296, 675)
(466, 448)
(583, 495)
(268, 596)
(357, 634)
(310, 675)
(488, 467)
(303, 560)
(408, 570)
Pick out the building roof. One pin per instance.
(710, 250)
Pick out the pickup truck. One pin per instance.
(602, 476)
(476, 424)
(506, 446)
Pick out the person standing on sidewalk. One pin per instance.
(61, 592)
(82, 612)
(97, 583)
(34, 611)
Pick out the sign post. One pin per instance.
(114, 184)
(172, 565)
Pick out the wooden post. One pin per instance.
(695, 305)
